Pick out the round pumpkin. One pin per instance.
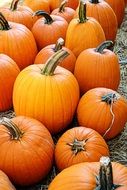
(47, 93)
(80, 30)
(103, 110)
(89, 176)
(5, 183)
(26, 150)
(46, 52)
(78, 145)
(97, 67)
(48, 29)
(17, 41)
(8, 73)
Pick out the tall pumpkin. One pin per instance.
(26, 150)
(80, 30)
(8, 73)
(97, 67)
(103, 110)
(53, 93)
(17, 41)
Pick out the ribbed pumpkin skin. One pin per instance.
(8, 73)
(5, 183)
(118, 7)
(83, 177)
(29, 159)
(36, 5)
(50, 99)
(78, 36)
(103, 13)
(46, 34)
(93, 113)
(45, 53)
(19, 44)
(94, 148)
(22, 15)
(93, 69)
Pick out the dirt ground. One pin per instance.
(117, 146)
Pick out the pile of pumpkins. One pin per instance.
(57, 64)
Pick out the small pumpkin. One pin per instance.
(53, 93)
(5, 183)
(48, 29)
(77, 145)
(46, 52)
(80, 30)
(97, 67)
(104, 175)
(8, 73)
(26, 150)
(103, 110)
(17, 41)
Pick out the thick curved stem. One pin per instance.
(4, 25)
(48, 18)
(15, 132)
(53, 61)
(59, 44)
(82, 12)
(14, 4)
(105, 45)
(94, 1)
(62, 6)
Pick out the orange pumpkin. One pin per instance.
(56, 3)
(36, 5)
(46, 52)
(88, 176)
(5, 183)
(8, 73)
(17, 42)
(19, 14)
(118, 7)
(53, 93)
(48, 29)
(103, 110)
(73, 4)
(66, 12)
(78, 145)
(97, 67)
(104, 14)
(26, 150)
(80, 30)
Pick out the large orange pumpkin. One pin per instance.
(46, 52)
(19, 14)
(47, 93)
(103, 110)
(80, 30)
(26, 150)
(48, 29)
(89, 176)
(5, 183)
(8, 73)
(17, 41)
(78, 145)
(97, 67)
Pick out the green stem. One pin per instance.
(105, 45)
(62, 6)
(59, 44)
(109, 98)
(14, 4)
(94, 1)
(48, 18)
(53, 61)
(4, 25)
(15, 132)
(82, 12)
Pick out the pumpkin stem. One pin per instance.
(14, 4)
(59, 44)
(15, 132)
(77, 145)
(94, 1)
(105, 45)
(53, 61)
(4, 25)
(82, 12)
(62, 6)
(48, 18)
